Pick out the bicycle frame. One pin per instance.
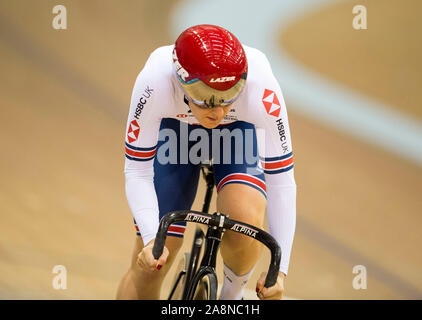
(208, 175)
(211, 241)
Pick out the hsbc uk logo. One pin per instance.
(271, 103)
(133, 131)
(273, 107)
(142, 102)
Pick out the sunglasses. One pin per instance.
(211, 103)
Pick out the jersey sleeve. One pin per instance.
(276, 159)
(142, 130)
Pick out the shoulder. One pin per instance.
(260, 74)
(257, 60)
(161, 55)
(159, 64)
(157, 71)
(261, 85)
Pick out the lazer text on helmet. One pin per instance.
(223, 79)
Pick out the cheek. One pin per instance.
(201, 113)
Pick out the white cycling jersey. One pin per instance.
(157, 95)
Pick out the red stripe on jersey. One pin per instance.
(244, 177)
(178, 229)
(140, 154)
(277, 164)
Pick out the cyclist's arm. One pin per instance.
(276, 154)
(281, 190)
(281, 213)
(140, 146)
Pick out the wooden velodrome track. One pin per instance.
(64, 103)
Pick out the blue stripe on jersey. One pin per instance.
(139, 159)
(139, 149)
(276, 158)
(278, 171)
(173, 234)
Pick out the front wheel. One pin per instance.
(204, 287)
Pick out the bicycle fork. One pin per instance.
(212, 243)
(208, 263)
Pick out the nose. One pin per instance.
(218, 111)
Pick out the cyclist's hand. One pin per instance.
(147, 261)
(272, 293)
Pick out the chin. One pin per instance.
(209, 126)
(206, 123)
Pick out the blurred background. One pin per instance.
(64, 100)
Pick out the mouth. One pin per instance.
(211, 119)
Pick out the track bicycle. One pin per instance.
(199, 282)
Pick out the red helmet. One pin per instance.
(210, 64)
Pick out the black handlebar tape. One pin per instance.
(159, 242)
(272, 274)
(165, 223)
(274, 267)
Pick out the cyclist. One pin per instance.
(190, 103)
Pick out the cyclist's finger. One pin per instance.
(146, 259)
(273, 293)
(162, 259)
(144, 262)
(261, 282)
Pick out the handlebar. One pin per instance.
(221, 221)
